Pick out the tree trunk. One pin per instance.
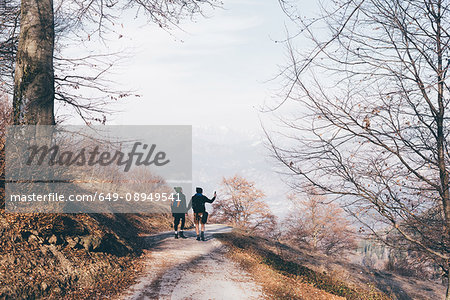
(34, 77)
(443, 172)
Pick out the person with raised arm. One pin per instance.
(200, 215)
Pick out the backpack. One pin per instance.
(196, 203)
(176, 205)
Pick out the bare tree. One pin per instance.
(242, 206)
(73, 21)
(34, 76)
(5, 120)
(9, 26)
(320, 225)
(373, 129)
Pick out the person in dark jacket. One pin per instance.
(179, 211)
(200, 215)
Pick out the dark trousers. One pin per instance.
(176, 221)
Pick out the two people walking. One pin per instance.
(179, 212)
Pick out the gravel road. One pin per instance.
(191, 269)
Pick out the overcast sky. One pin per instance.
(214, 71)
(214, 74)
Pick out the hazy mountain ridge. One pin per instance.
(222, 152)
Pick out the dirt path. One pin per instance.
(189, 269)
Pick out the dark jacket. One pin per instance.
(198, 202)
(179, 207)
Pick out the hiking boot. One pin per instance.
(176, 235)
(198, 238)
(203, 236)
(182, 235)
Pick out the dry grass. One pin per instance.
(31, 266)
(42, 256)
(282, 278)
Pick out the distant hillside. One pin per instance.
(222, 152)
(288, 272)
